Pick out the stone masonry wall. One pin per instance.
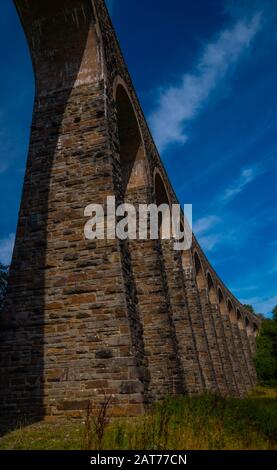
(87, 319)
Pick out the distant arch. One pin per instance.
(248, 326)
(211, 289)
(240, 320)
(161, 194)
(231, 311)
(199, 272)
(222, 302)
(161, 197)
(255, 329)
(131, 146)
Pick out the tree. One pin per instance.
(249, 308)
(3, 284)
(266, 355)
(274, 313)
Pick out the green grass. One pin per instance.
(199, 423)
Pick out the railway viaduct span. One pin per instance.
(83, 319)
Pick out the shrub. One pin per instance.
(266, 355)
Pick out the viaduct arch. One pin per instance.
(135, 319)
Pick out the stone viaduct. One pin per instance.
(133, 319)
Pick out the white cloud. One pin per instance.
(204, 229)
(179, 104)
(244, 288)
(246, 177)
(6, 249)
(213, 230)
(209, 242)
(263, 305)
(208, 234)
(204, 224)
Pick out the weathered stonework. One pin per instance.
(136, 319)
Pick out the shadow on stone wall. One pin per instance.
(22, 324)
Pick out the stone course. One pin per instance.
(132, 319)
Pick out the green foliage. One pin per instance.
(250, 308)
(3, 284)
(274, 313)
(266, 356)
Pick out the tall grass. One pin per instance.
(207, 422)
(95, 425)
(199, 423)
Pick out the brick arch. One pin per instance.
(222, 301)
(231, 311)
(199, 272)
(161, 192)
(255, 329)
(211, 289)
(248, 327)
(240, 319)
(161, 195)
(134, 165)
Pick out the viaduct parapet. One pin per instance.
(136, 320)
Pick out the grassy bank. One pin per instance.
(206, 422)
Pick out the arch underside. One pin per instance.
(132, 153)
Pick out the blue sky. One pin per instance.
(206, 75)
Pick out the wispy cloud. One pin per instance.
(205, 223)
(215, 229)
(244, 289)
(264, 305)
(247, 176)
(222, 229)
(205, 229)
(180, 104)
(209, 242)
(6, 249)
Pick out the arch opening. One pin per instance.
(240, 320)
(132, 154)
(161, 198)
(255, 329)
(231, 311)
(248, 326)
(160, 191)
(221, 301)
(211, 289)
(200, 278)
